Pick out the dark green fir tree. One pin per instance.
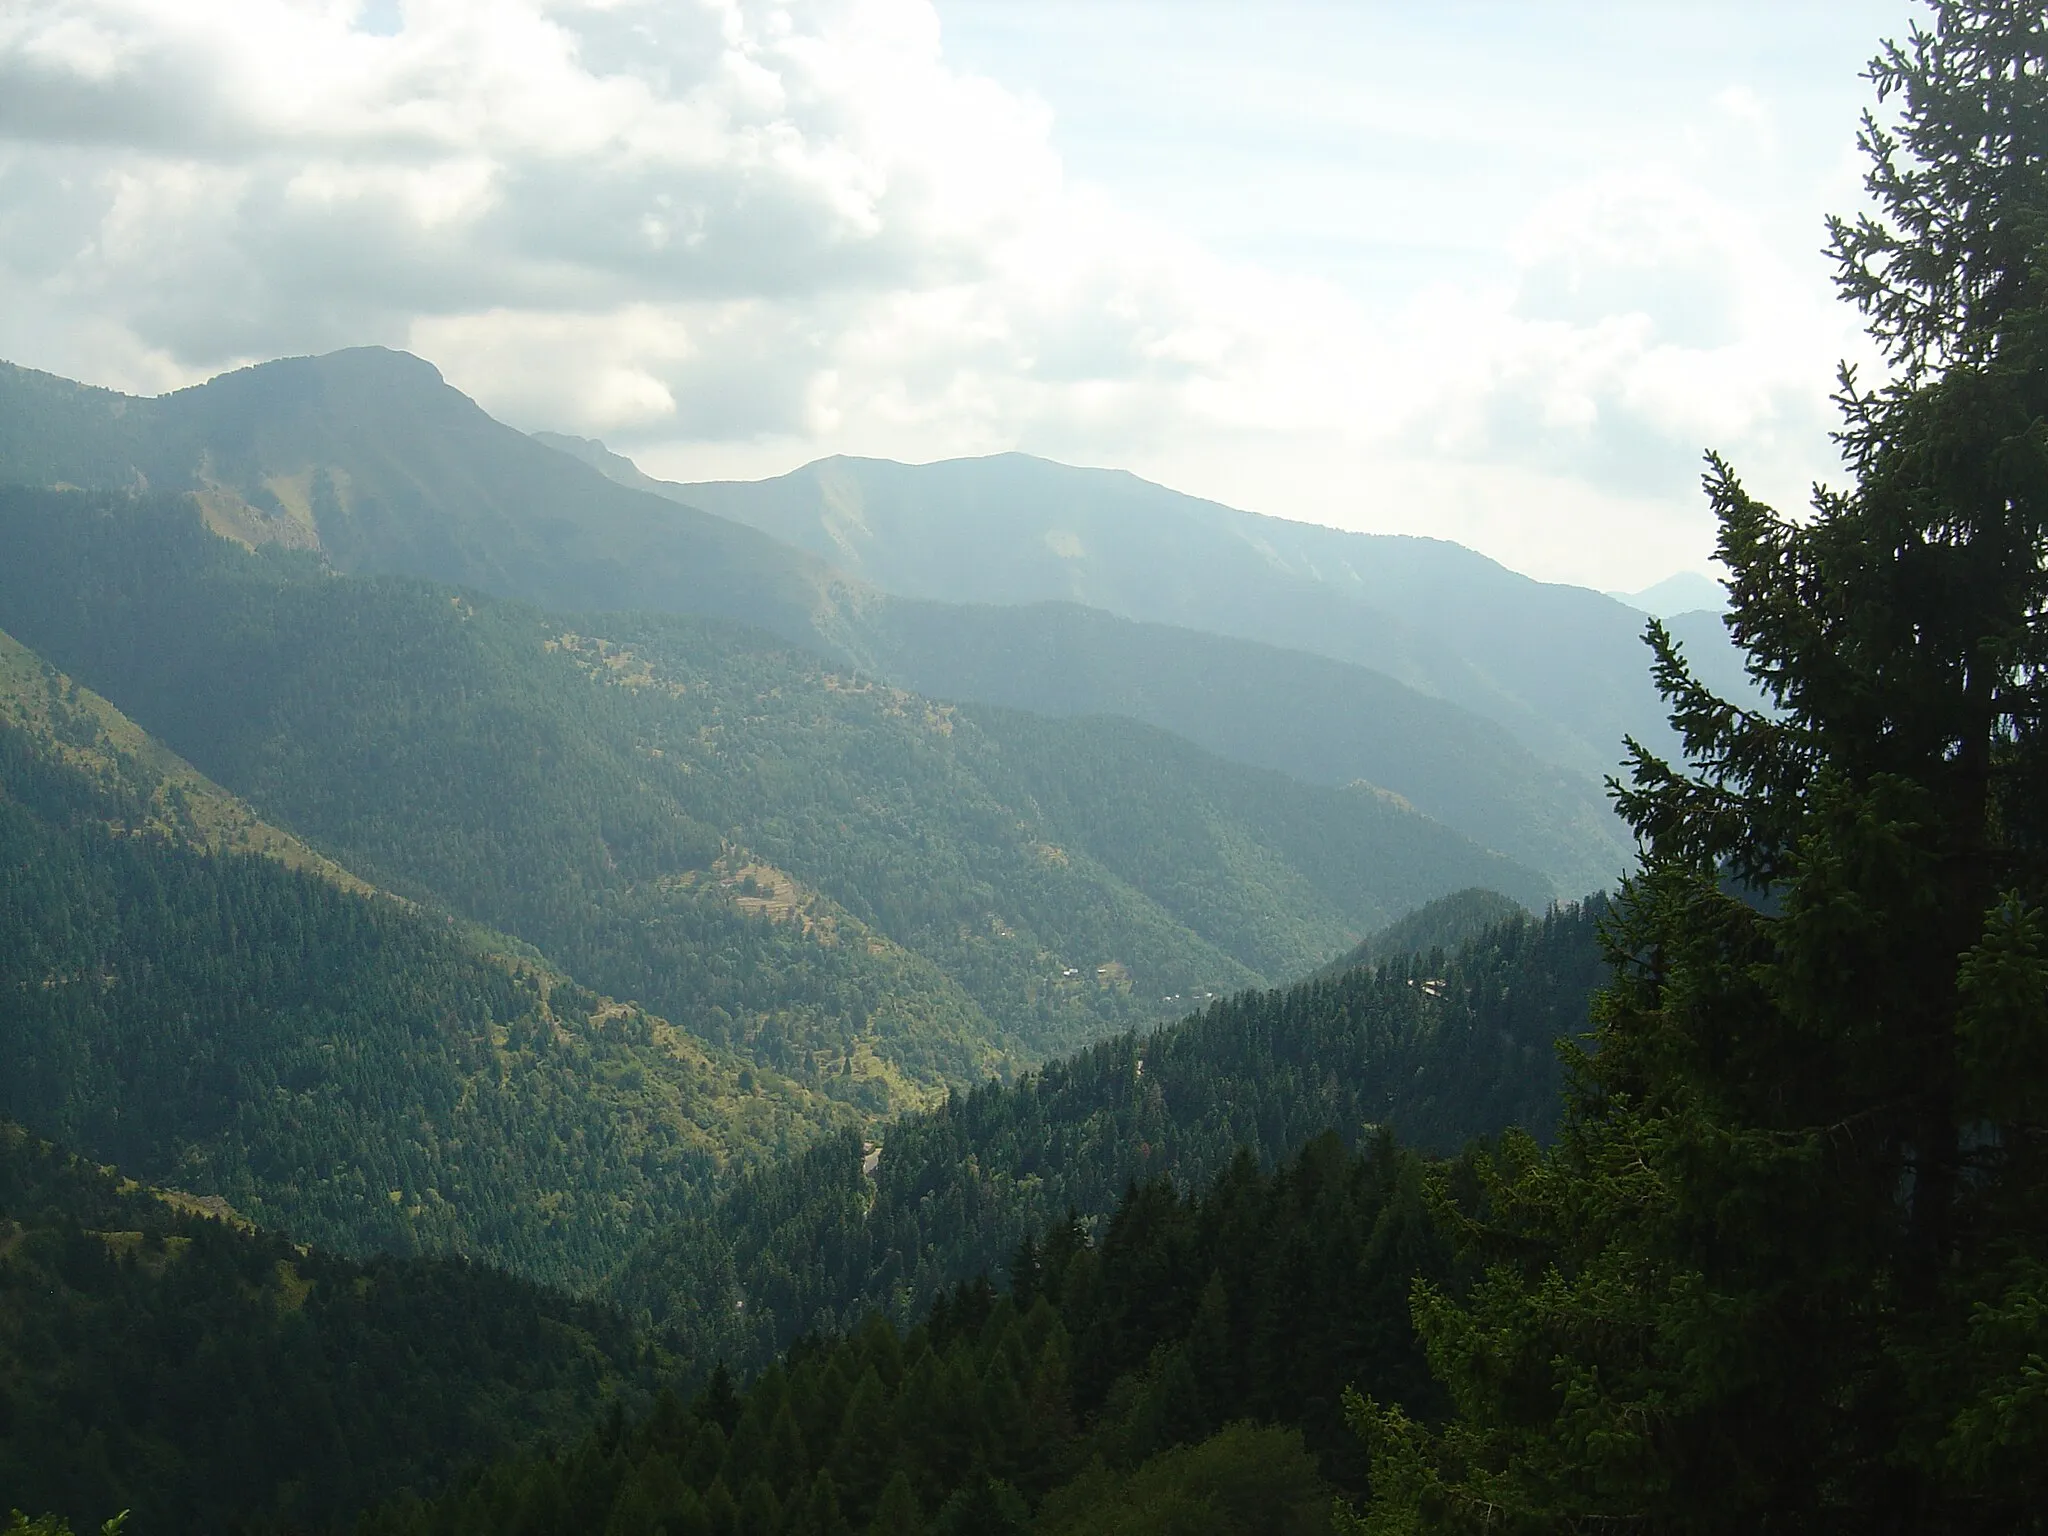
(1787, 1267)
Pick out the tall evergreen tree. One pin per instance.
(1787, 1267)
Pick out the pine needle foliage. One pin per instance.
(1784, 1269)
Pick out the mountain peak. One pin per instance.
(360, 382)
(1685, 592)
(383, 365)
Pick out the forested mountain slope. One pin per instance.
(1314, 718)
(876, 893)
(1562, 667)
(1448, 923)
(1183, 1376)
(207, 1377)
(370, 456)
(340, 1065)
(63, 731)
(210, 1377)
(1437, 1047)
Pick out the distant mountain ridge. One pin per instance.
(1684, 592)
(1562, 667)
(634, 794)
(1445, 924)
(370, 456)
(1313, 718)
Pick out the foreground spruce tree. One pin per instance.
(1787, 1267)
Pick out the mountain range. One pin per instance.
(368, 457)
(419, 842)
(995, 998)
(1561, 667)
(844, 791)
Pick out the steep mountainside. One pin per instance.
(1438, 1047)
(1319, 720)
(190, 992)
(1184, 1376)
(75, 732)
(209, 1376)
(850, 883)
(212, 1377)
(369, 455)
(1562, 667)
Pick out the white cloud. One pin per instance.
(733, 235)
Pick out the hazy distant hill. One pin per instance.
(1446, 924)
(1703, 634)
(852, 883)
(1685, 592)
(1693, 607)
(1319, 720)
(369, 455)
(1562, 667)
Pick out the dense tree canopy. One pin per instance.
(213, 1377)
(334, 1063)
(1182, 1376)
(1438, 1046)
(1788, 1267)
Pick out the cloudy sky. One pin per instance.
(1495, 272)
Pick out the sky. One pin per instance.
(1497, 273)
